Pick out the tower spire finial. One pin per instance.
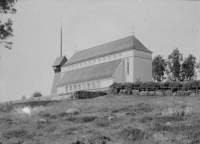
(133, 27)
(61, 39)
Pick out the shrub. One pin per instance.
(128, 88)
(37, 94)
(115, 88)
(23, 97)
(177, 86)
(15, 133)
(88, 94)
(102, 122)
(132, 134)
(186, 86)
(6, 107)
(138, 85)
(194, 84)
(81, 119)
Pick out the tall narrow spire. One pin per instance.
(61, 39)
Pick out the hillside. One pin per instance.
(108, 119)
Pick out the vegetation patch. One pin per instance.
(15, 133)
(131, 134)
(143, 108)
(8, 121)
(102, 122)
(81, 119)
(121, 119)
(47, 115)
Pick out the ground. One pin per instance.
(111, 119)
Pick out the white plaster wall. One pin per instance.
(61, 90)
(142, 65)
(105, 83)
(143, 54)
(62, 73)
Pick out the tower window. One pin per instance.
(66, 89)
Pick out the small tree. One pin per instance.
(6, 31)
(37, 94)
(174, 65)
(23, 97)
(188, 68)
(158, 69)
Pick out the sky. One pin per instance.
(160, 25)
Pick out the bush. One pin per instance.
(23, 97)
(128, 88)
(88, 94)
(15, 133)
(180, 87)
(175, 86)
(131, 134)
(6, 107)
(37, 94)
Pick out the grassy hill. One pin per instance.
(106, 120)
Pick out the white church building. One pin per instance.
(96, 68)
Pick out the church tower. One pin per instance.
(57, 67)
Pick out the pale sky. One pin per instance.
(159, 25)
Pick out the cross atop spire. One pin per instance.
(133, 27)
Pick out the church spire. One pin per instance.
(61, 39)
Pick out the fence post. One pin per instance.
(171, 91)
(196, 90)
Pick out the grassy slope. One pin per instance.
(136, 119)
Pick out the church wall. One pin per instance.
(57, 77)
(119, 75)
(60, 90)
(142, 66)
(100, 84)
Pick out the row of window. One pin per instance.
(83, 86)
(95, 61)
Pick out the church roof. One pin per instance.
(126, 43)
(59, 61)
(94, 72)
